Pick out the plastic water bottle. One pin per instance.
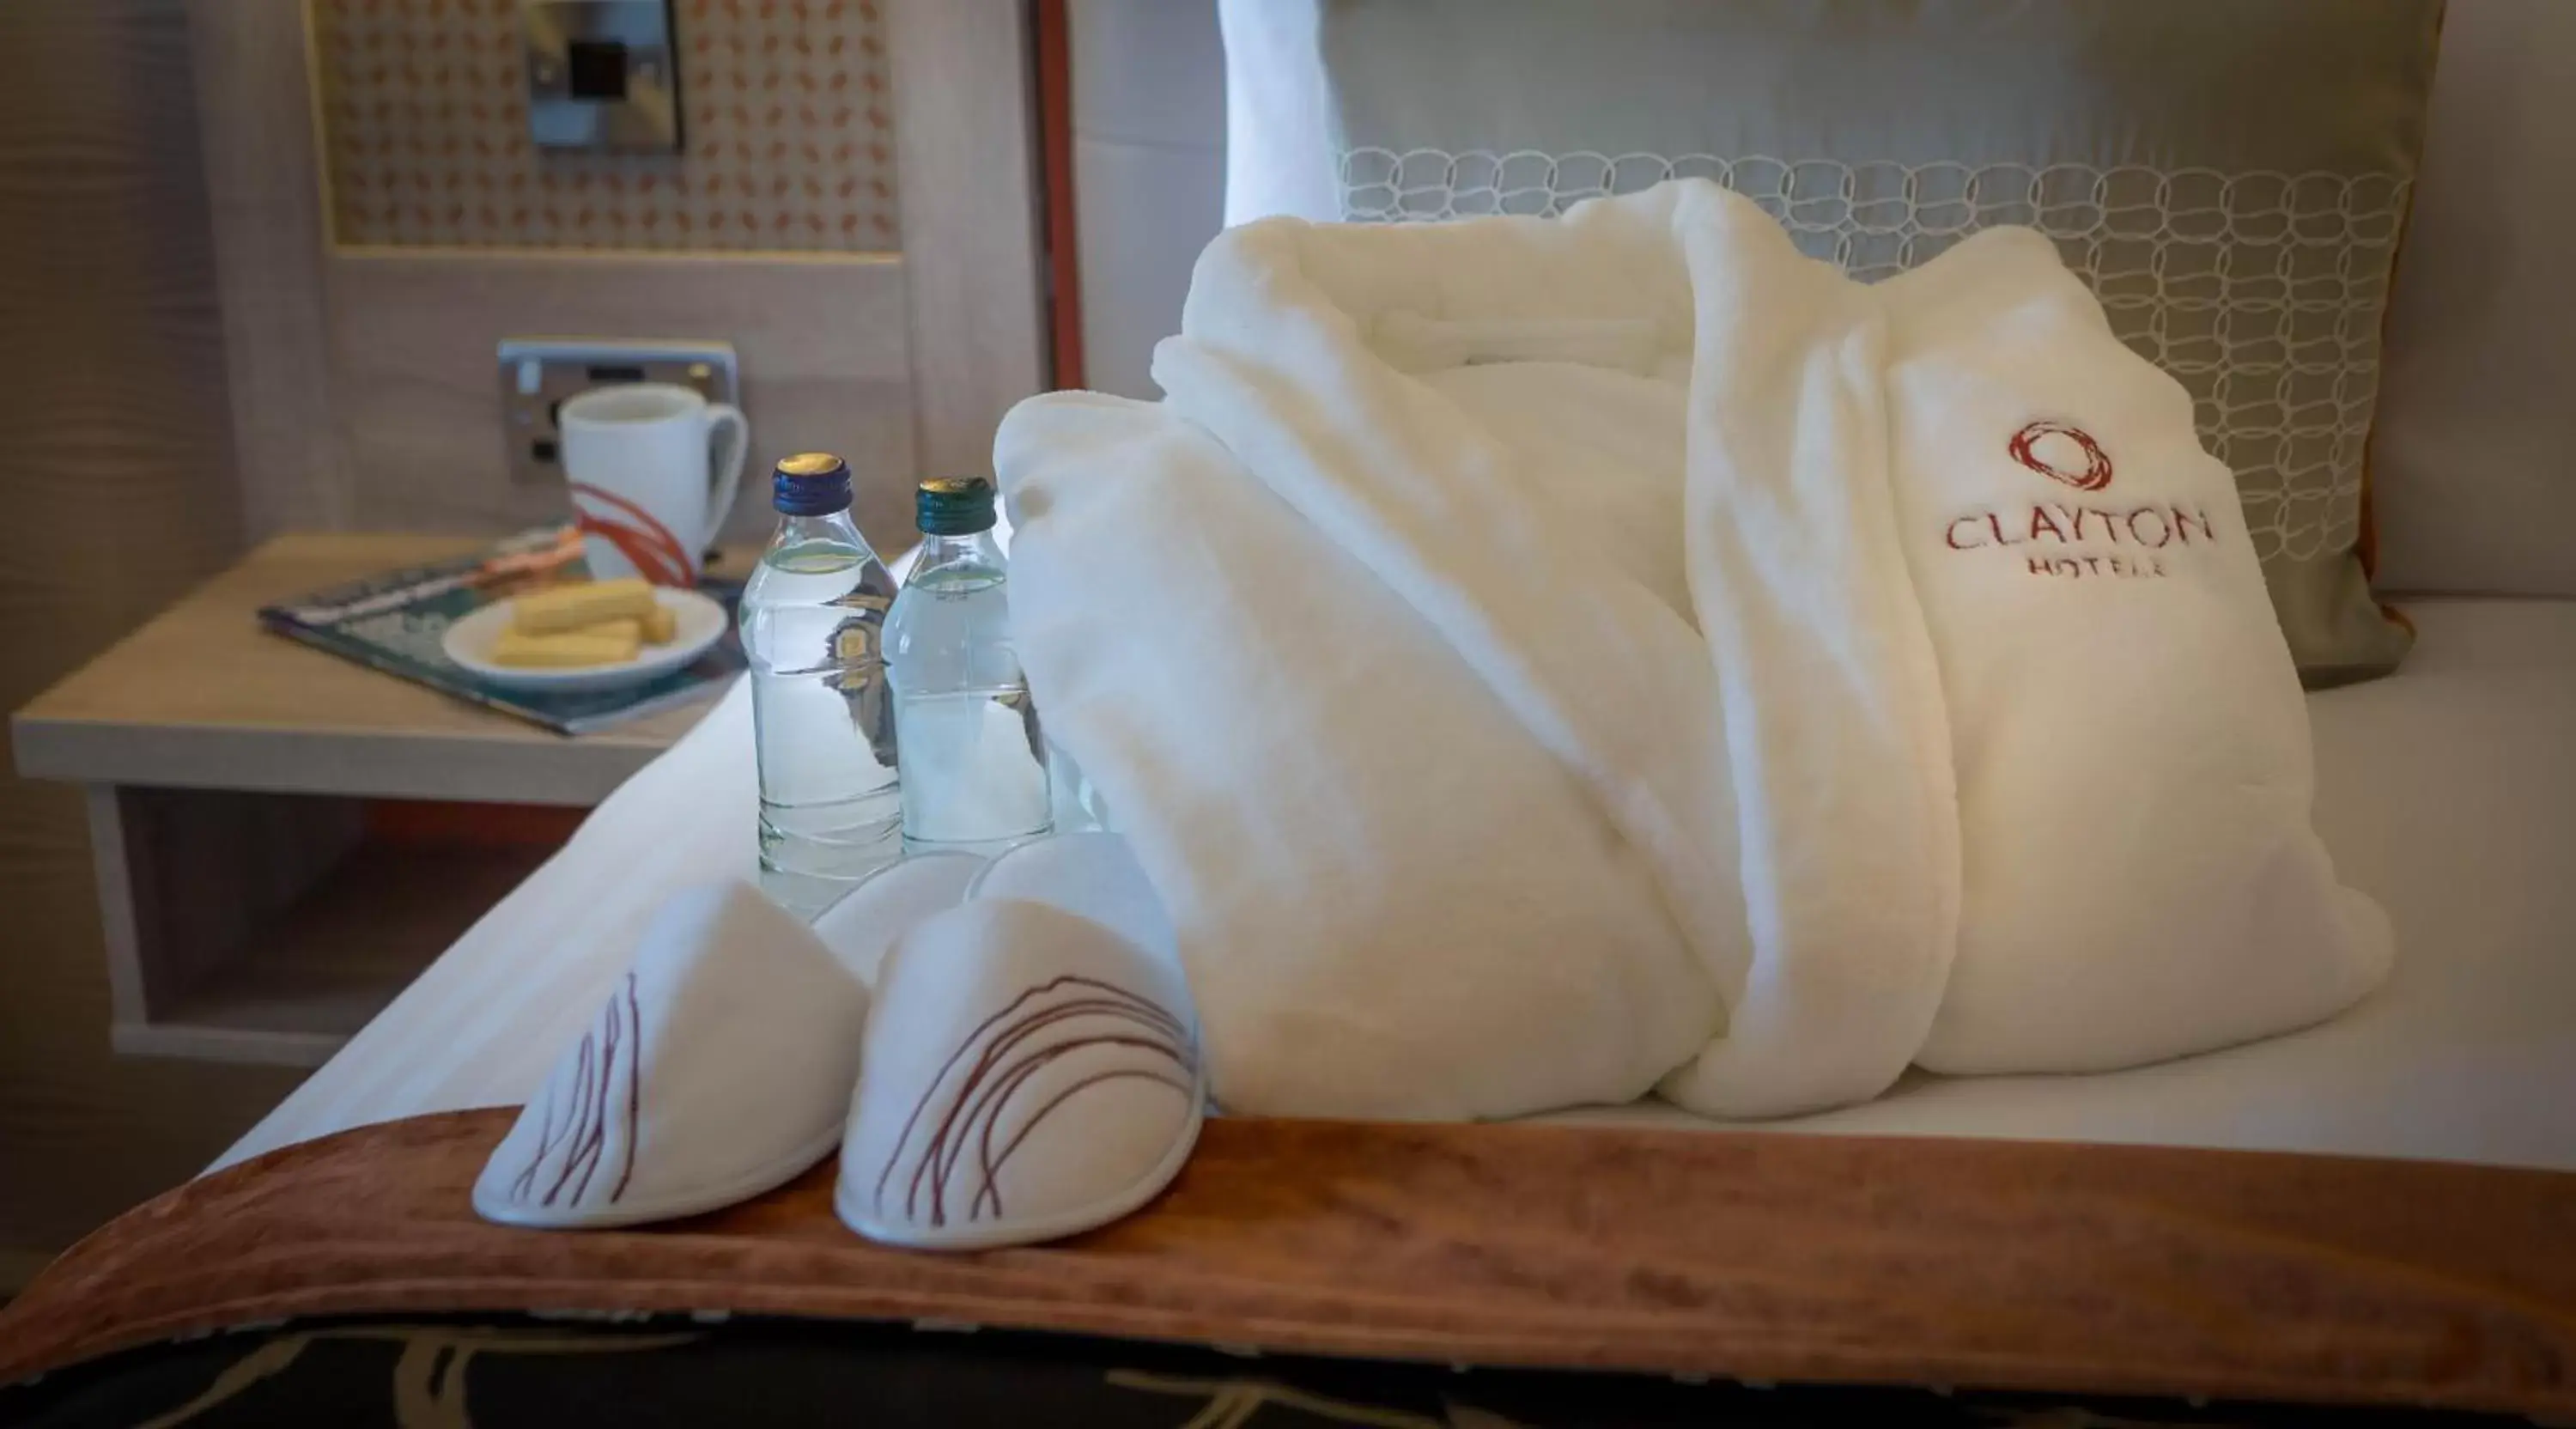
(813, 625)
(974, 759)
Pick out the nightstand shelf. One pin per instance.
(250, 914)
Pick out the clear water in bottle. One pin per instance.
(974, 760)
(813, 626)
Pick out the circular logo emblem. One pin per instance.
(2062, 451)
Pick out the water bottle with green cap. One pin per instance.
(973, 760)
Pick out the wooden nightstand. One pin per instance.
(248, 915)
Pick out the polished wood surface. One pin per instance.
(117, 485)
(201, 697)
(1063, 246)
(2003, 1265)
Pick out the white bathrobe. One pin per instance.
(1544, 661)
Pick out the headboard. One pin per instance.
(2466, 483)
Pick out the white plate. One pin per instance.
(700, 621)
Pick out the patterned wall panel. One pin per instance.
(786, 116)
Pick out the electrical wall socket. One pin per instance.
(538, 374)
(603, 75)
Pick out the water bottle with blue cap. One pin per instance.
(813, 626)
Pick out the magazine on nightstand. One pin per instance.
(394, 622)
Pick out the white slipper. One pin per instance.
(886, 904)
(719, 1068)
(1030, 1073)
(1094, 875)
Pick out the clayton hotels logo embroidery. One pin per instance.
(2096, 474)
(2074, 540)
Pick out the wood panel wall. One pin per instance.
(822, 341)
(117, 484)
(364, 389)
(966, 147)
(191, 364)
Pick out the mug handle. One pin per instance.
(726, 478)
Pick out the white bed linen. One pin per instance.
(2448, 791)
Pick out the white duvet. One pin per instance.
(1542, 662)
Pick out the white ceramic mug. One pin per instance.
(653, 469)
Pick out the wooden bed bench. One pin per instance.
(1764, 1257)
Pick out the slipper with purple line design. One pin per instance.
(1031, 1071)
(718, 1068)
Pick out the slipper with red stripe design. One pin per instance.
(718, 1067)
(1031, 1067)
